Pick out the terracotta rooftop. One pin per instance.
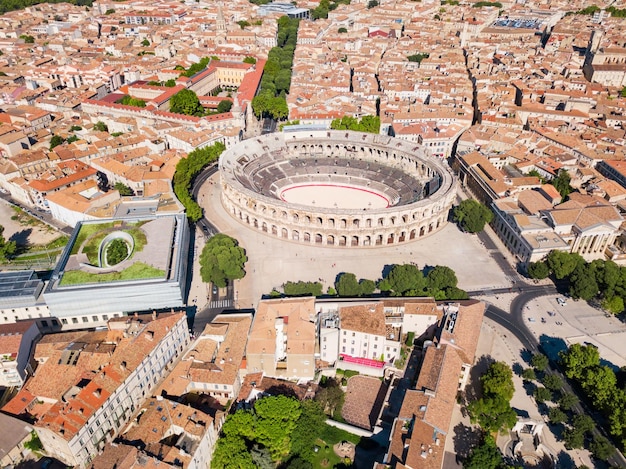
(363, 401)
(368, 318)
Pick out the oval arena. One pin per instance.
(336, 188)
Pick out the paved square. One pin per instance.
(272, 261)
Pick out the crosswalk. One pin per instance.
(221, 304)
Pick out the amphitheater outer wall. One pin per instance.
(335, 227)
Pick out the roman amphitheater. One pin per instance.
(336, 188)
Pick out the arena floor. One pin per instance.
(334, 196)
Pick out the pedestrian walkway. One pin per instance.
(221, 304)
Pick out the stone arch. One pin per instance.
(295, 218)
(355, 223)
(391, 238)
(284, 233)
(307, 237)
(295, 235)
(274, 230)
(412, 234)
(319, 239)
(379, 240)
(422, 231)
(354, 241)
(402, 237)
(367, 241)
(330, 240)
(342, 240)
(368, 223)
(343, 223)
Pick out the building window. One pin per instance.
(352, 342)
(353, 334)
(85, 319)
(375, 346)
(74, 320)
(105, 317)
(63, 321)
(94, 318)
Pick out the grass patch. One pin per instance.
(58, 243)
(86, 231)
(330, 436)
(137, 271)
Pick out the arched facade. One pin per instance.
(420, 189)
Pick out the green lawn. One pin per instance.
(137, 271)
(86, 231)
(95, 238)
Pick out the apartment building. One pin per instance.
(89, 384)
(282, 340)
(16, 343)
(419, 432)
(21, 298)
(213, 365)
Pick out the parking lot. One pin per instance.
(577, 322)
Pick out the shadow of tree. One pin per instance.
(529, 387)
(517, 368)
(465, 438)
(21, 239)
(473, 389)
(565, 461)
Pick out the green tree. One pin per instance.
(342, 30)
(27, 39)
(441, 278)
(485, 456)
(116, 252)
(372, 3)
(302, 288)
(577, 358)
(552, 382)
(567, 401)
(243, 24)
(34, 444)
(561, 183)
(404, 278)
(583, 282)
(472, 215)
(418, 57)
(100, 127)
(498, 381)
(232, 453)
(599, 382)
(556, 416)
(583, 423)
(277, 417)
(367, 286)
(347, 285)
(309, 424)
(123, 189)
(601, 448)
(542, 394)
(171, 83)
(222, 260)
(330, 397)
(538, 270)
(493, 414)
(529, 374)
(563, 263)
(7, 248)
(186, 102)
(224, 106)
(145, 43)
(614, 304)
(573, 438)
(55, 141)
(539, 361)
(249, 60)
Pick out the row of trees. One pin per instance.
(439, 282)
(370, 124)
(221, 260)
(493, 412)
(12, 5)
(130, 101)
(577, 428)
(277, 429)
(271, 100)
(187, 169)
(581, 364)
(599, 279)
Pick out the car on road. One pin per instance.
(215, 290)
(531, 319)
(561, 301)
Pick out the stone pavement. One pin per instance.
(272, 261)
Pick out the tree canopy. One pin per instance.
(123, 189)
(472, 216)
(271, 101)
(186, 102)
(279, 426)
(369, 124)
(224, 105)
(7, 248)
(561, 183)
(493, 411)
(187, 169)
(222, 260)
